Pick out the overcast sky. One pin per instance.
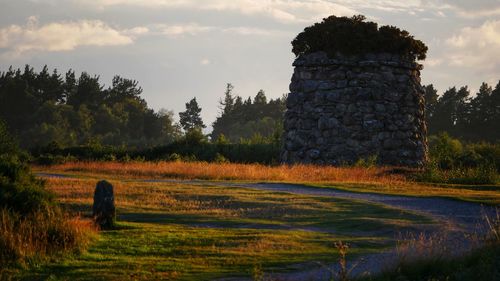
(179, 49)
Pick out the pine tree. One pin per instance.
(227, 105)
(480, 111)
(191, 119)
(451, 112)
(431, 99)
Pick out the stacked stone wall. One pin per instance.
(343, 109)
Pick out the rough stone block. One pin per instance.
(103, 209)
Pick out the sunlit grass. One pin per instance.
(374, 179)
(230, 171)
(177, 252)
(198, 232)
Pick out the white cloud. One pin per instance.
(285, 11)
(252, 31)
(193, 29)
(205, 61)
(477, 47)
(432, 62)
(183, 29)
(139, 30)
(478, 13)
(59, 36)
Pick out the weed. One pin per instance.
(368, 162)
(257, 273)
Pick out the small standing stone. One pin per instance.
(103, 209)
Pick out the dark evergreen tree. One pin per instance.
(493, 122)
(88, 91)
(227, 105)
(431, 99)
(253, 121)
(44, 108)
(451, 112)
(480, 112)
(191, 119)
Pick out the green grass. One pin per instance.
(480, 265)
(151, 252)
(482, 194)
(190, 232)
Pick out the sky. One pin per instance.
(180, 49)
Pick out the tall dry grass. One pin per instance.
(37, 236)
(231, 171)
(384, 180)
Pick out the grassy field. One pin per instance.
(192, 232)
(358, 179)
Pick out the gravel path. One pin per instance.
(455, 218)
(463, 215)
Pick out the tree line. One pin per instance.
(48, 108)
(44, 107)
(467, 117)
(258, 120)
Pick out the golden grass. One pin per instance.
(143, 196)
(41, 235)
(230, 171)
(376, 179)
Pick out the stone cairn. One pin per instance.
(344, 108)
(103, 210)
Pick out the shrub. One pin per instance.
(444, 150)
(20, 191)
(7, 144)
(31, 223)
(368, 162)
(354, 36)
(41, 234)
(174, 157)
(219, 158)
(458, 175)
(53, 159)
(194, 137)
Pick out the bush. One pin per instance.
(368, 162)
(354, 36)
(20, 191)
(41, 234)
(174, 157)
(449, 153)
(444, 150)
(453, 162)
(458, 175)
(219, 158)
(31, 223)
(50, 159)
(7, 143)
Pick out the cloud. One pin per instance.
(285, 11)
(194, 29)
(432, 62)
(60, 36)
(472, 9)
(182, 29)
(477, 47)
(242, 30)
(139, 30)
(482, 13)
(205, 61)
